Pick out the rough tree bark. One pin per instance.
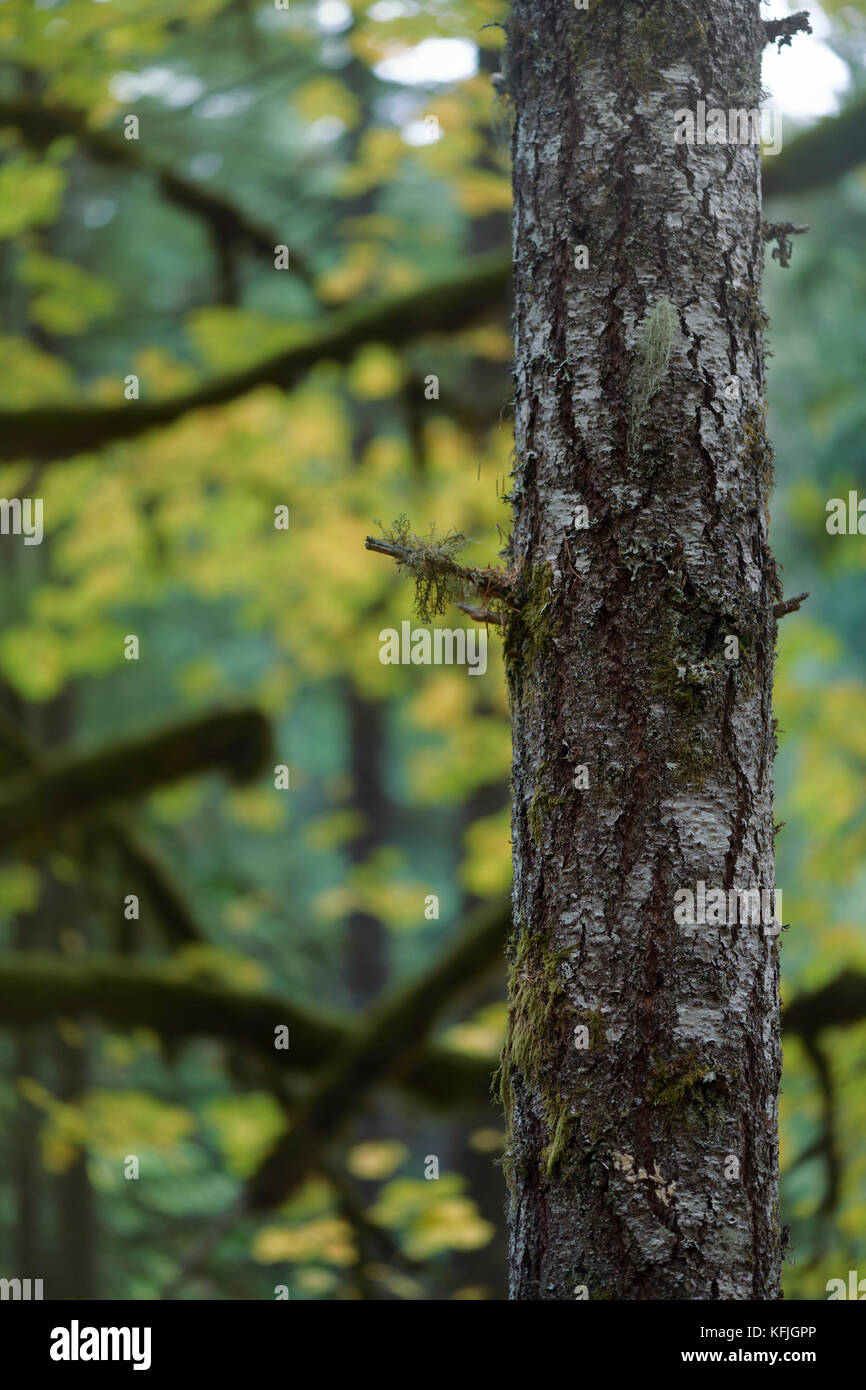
(643, 1165)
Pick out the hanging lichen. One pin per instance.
(432, 561)
(657, 336)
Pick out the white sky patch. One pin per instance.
(429, 62)
(420, 132)
(333, 16)
(183, 91)
(385, 10)
(807, 79)
(171, 88)
(126, 86)
(223, 104)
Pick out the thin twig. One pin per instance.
(788, 605)
(480, 615)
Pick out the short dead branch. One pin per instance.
(788, 605)
(781, 31)
(781, 233)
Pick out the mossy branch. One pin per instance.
(51, 432)
(38, 987)
(439, 579)
(65, 792)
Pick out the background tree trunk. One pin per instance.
(639, 394)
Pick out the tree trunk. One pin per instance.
(641, 1070)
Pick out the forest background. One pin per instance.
(370, 141)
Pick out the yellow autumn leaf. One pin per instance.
(329, 1240)
(327, 96)
(375, 374)
(376, 1159)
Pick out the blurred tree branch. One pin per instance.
(832, 147)
(227, 225)
(384, 1045)
(41, 987)
(148, 871)
(826, 1146)
(35, 804)
(58, 431)
(153, 878)
(841, 1001)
